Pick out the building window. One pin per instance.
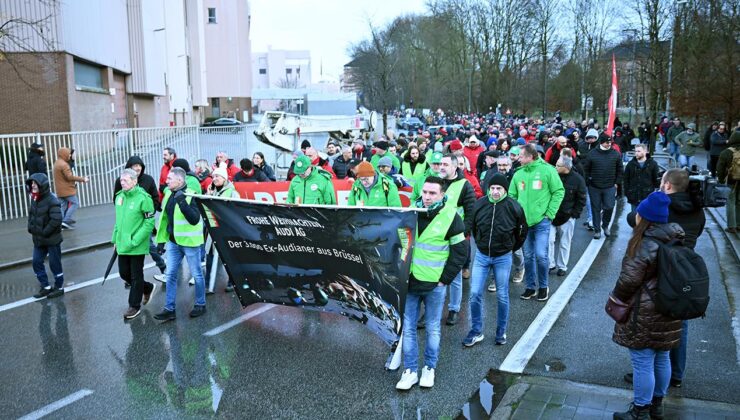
(263, 71)
(288, 71)
(88, 76)
(211, 15)
(215, 102)
(298, 72)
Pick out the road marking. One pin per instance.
(44, 411)
(234, 322)
(67, 289)
(525, 348)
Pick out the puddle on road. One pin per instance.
(489, 394)
(554, 365)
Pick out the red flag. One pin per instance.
(612, 100)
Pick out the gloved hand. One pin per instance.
(160, 249)
(179, 195)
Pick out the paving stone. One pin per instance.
(595, 402)
(589, 413)
(568, 411)
(520, 414)
(557, 398)
(541, 395)
(532, 405)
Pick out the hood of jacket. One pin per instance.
(135, 160)
(681, 203)
(592, 133)
(64, 153)
(665, 232)
(43, 182)
(734, 138)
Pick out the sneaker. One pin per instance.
(501, 341)
(543, 293)
(465, 275)
(635, 412)
(165, 315)
(191, 281)
(229, 288)
(67, 226)
(551, 269)
(656, 408)
(148, 296)
(518, 276)
(160, 278)
(427, 377)
(451, 318)
(55, 292)
(131, 313)
(597, 235)
(562, 272)
(675, 383)
(492, 287)
(590, 226)
(528, 294)
(606, 233)
(197, 311)
(408, 379)
(469, 341)
(43, 292)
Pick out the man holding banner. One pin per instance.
(438, 256)
(373, 189)
(312, 185)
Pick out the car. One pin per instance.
(222, 122)
(411, 123)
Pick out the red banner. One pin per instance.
(612, 100)
(277, 192)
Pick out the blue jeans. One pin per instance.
(175, 254)
(589, 215)
(69, 207)
(652, 372)
(678, 355)
(482, 265)
(685, 161)
(456, 289)
(536, 260)
(55, 263)
(433, 304)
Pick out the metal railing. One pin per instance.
(101, 155)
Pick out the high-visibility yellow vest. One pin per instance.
(431, 249)
(185, 234)
(453, 195)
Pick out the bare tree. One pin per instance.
(23, 35)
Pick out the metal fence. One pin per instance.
(101, 155)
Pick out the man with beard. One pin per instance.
(168, 155)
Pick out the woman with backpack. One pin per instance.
(648, 334)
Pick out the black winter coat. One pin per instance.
(500, 227)
(257, 176)
(645, 327)
(639, 182)
(574, 199)
(584, 148)
(341, 166)
(603, 168)
(689, 215)
(145, 181)
(268, 171)
(44, 215)
(35, 164)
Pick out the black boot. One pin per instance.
(636, 412)
(656, 408)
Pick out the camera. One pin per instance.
(706, 190)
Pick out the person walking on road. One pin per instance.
(499, 227)
(134, 224)
(35, 162)
(640, 176)
(65, 186)
(438, 256)
(168, 155)
(728, 171)
(373, 189)
(461, 195)
(603, 172)
(719, 141)
(687, 142)
(563, 225)
(537, 187)
(180, 233)
(312, 185)
(45, 227)
(647, 334)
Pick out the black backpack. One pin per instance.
(683, 282)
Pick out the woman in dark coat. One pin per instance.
(259, 161)
(647, 334)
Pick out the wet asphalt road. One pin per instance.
(289, 363)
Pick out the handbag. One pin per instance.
(618, 310)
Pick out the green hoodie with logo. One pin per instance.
(317, 188)
(539, 190)
(134, 221)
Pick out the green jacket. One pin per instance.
(396, 163)
(673, 132)
(688, 143)
(383, 193)
(419, 182)
(316, 189)
(539, 190)
(193, 184)
(724, 164)
(134, 221)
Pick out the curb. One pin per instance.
(69, 251)
(720, 221)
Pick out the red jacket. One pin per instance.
(470, 176)
(231, 169)
(163, 177)
(472, 155)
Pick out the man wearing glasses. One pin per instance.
(603, 171)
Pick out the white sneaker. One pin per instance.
(492, 287)
(518, 276)
(409, 379)
(427, 377)
(160, 277)
(191, 281)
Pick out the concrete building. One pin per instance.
(93, 64)
(280, 69)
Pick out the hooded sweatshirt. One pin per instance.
(65, 182)
(44, 214)
(146, 182)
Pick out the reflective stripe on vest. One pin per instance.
(432, 249)
(453, 195)
(410, 175)
(185, 234)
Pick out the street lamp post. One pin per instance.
(470, 89)
(670, 57)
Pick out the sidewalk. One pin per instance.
(94, 229)
(533, 397)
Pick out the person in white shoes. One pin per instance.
(439, 253)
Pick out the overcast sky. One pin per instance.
(324, 27)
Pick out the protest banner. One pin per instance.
(351, 261)
(277, 192)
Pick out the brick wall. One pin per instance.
(37, 102)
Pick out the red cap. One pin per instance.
(456, 145)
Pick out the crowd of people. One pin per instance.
(516, 186)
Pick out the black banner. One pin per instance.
(350, 261)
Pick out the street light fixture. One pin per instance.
(470, 89)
